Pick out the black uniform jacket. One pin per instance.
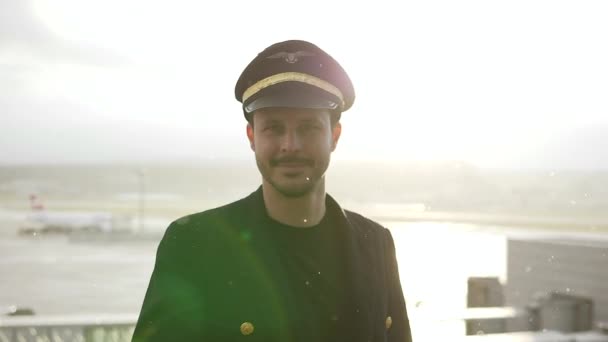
(217, 277)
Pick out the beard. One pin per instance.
(296, 184)
(292, 191)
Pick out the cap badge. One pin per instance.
(291, 57)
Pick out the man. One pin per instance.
(286, 263)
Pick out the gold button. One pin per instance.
(388, 322)
(246, 328)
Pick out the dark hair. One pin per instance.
(334, 117)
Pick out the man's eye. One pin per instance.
(273, 128)
(311, 127)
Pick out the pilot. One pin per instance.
(285, 263)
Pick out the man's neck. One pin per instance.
(303, 211)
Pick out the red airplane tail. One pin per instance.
(36, 203)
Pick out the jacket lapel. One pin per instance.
(358, 262)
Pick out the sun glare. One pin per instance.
(438, 89)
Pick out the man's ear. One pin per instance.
(335, 135)
(250, 136)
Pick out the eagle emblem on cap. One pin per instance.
(291, 57)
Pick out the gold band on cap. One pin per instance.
(293, 76)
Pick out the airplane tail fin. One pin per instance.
(36, 203)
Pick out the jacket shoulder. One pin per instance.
(363, 223)
(208, 219)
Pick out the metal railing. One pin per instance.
(118, 328)
(81, 328)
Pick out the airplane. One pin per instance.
(43, 221)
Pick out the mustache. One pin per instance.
(278, 161)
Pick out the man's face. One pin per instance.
(292, 147)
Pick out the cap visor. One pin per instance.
(292, 95)
(291, 102)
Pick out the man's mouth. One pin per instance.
(291, 163)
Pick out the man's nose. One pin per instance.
(291, 142)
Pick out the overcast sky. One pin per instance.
(493, 83)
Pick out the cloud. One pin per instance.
(23, 36)
(579, 147)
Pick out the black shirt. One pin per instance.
(314, 262)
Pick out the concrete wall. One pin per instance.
(569, 266)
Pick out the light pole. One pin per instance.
(141, 200)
